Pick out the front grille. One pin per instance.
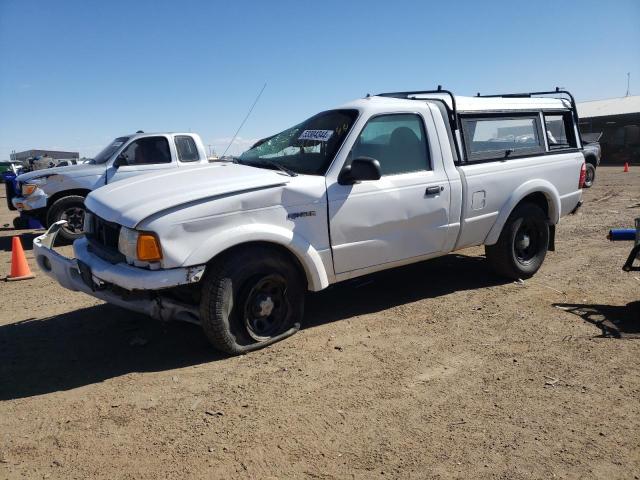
(104, 232)
(103, 239)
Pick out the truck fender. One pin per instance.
(532, 186)
(305, 252)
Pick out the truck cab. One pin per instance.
(58, 193)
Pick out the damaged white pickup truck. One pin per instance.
(380, 182)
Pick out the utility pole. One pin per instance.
(628, 77)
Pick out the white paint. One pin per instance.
(335, 231)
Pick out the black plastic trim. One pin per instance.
(517, 157)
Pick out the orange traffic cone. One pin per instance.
(626, 167)
(19, 267)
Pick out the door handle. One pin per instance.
(434, 190)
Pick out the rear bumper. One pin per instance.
(570, 202)
(98, 277)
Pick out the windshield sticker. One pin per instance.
(117, 144)
(322, 135)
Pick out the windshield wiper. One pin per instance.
(282, 168)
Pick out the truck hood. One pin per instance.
(75, 171)
(130, 201)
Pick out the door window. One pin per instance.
(149, 150)
(397, 141)
(187, 150)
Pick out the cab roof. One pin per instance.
(151, 134)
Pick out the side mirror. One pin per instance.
(361, 168)
(120, 160)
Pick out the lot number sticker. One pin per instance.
(322, 135)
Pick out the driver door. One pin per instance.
(143, 155)
(404, 214)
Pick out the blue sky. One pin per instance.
(75, 74)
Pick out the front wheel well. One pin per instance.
(82, 192)
(264, 244)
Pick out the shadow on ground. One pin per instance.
(613, 321)
(89, 345)
(25, 238)
(390, 288)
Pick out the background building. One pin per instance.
(618, 120)
(54, 154)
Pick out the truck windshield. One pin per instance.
(109, 150)
(307, 148)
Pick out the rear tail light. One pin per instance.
(583, 175)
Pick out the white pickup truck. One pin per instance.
(383, 181)
(58, 193)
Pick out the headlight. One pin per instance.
(28, 189)
(143, 246)
(32, 185)
(127, 242)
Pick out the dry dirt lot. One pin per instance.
(438, 370)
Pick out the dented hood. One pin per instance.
(130, 201)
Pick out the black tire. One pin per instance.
(72, 209)
(522, 244)
(20, 223)
(251, 298)
(590, 176)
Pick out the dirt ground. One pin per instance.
(437, 370)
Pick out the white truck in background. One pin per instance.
(58, 193)
(380, 182)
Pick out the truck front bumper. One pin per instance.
(94, 276)
(35, 201)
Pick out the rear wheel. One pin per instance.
(590, 175)
(522, 245)
(72, 210)
(251, 299)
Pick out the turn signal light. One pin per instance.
(148, 247)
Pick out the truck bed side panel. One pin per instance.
(494, 188)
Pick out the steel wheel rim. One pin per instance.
(75, 220)
(526, 242)
(265, 307)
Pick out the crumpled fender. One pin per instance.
(307, 255)
(527, 188)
